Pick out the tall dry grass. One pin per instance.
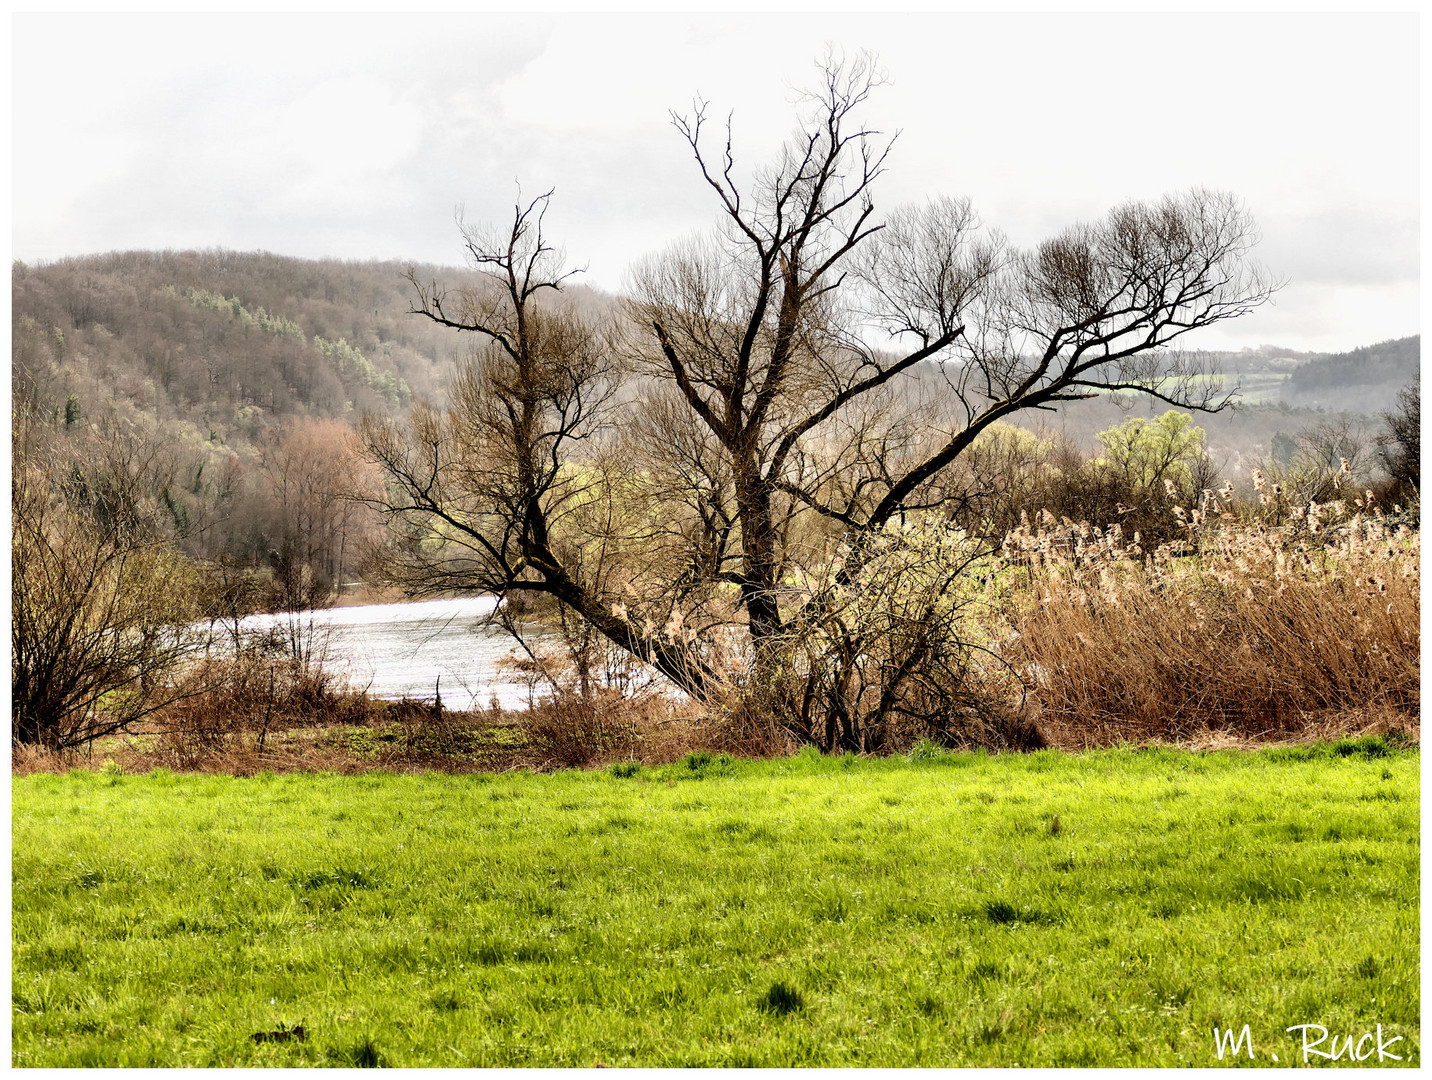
(242, 703)
(1243, 627)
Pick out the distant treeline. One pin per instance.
(1366, 379)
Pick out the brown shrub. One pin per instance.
(744, 727)
(27, 758)
(572, 730)
(239, 703)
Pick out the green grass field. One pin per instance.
(1110, 908)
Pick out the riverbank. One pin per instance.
(1108, 908)
(362, 593)
(353, 734)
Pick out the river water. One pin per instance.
(402, 650)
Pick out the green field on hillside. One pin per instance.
(1110, 908)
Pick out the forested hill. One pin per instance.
(236, 343)
(1363, 380)
(234, 362)
(223, 388)
(230, 342)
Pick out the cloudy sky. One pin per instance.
(357, 136)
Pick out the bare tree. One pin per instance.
(1400, 447)
(500, 492)
(312, 485)
(765, 332)
(784, 435)
(103, 606)
(1334, 460)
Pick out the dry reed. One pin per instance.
(1240, 627)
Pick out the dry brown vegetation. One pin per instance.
(1244, 633)
(255, 715)
(1245, 629)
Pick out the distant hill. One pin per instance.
(218, 359)
(212, 352)
(229, 341)
(234, 342)
(1363, 380)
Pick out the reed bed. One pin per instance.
(1241, 627)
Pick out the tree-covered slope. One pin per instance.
(231, 342)
(1364, 380)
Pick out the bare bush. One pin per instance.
(241, 702)
(571, 731)
(103, 606)
(583, 695)
(1400, 448)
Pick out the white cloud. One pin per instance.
(357, 135)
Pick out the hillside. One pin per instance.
(1365, 379)
(240, 375)
(229, 341)
(235, 362)
(233, 342)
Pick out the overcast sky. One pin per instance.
(357, 136)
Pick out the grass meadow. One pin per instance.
(1107, 908)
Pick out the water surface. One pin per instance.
(403, 650)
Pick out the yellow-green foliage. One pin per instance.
(921, 571)
(1010, 440)
(354, 365)
(258, 317)
(1149, 453)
